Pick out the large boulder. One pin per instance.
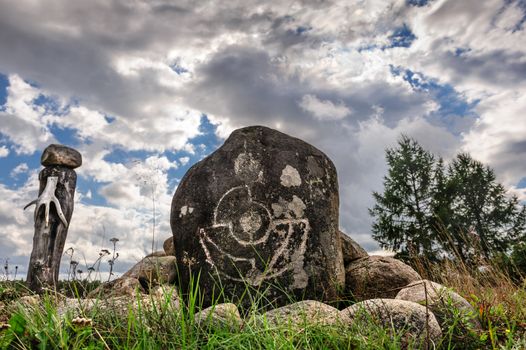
(147, 273)
(419, 327)
(449, 307)
(350, 249)
(377, 277)
(260, 213)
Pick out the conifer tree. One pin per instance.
(403, 213)
(480, 212)
(430, 210)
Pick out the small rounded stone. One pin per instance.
(61, 155)
(303, 313)
(168, 246)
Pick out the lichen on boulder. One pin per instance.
(377, 277)
(419, 325)
(260, 213)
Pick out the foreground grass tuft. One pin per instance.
(158, 324)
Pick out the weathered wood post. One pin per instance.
(57, 187)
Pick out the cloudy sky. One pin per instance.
(144, 89)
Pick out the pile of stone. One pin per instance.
(261, 214)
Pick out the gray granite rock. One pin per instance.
(122, 286)
(30, 300)
(350, 249)
(61, 155)
(162, 300)
(421, 329)
(377, 277)
(168, 246)
(260, 212)
(156, 254)
(154, 269)
(224, 316)
(304, 313)
(443, 302)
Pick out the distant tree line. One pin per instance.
(437, 210)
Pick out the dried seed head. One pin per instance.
(82, 322)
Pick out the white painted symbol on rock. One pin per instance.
(290, 177)
(185, 210)
(241, 223)
(247, 168)
(250, 221)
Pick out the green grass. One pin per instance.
(499, 301)
(174, 329)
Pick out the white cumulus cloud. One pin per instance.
(131, 83)
(4, 152)
(324, 109)
(19, 169)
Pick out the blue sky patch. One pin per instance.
(86, 185)
(120, 155)
(204, 144)
(401, 37)
(110, 119)
(368, 47)
(453, 106)
(418, 3)
(50, 105)
(65, 136)
(460, 51)
(13, 160)
(178, 69)
(451, 102)
(521, 4)
(302, 29)
(208, 135)
(4, 84)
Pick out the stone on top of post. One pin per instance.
(57, 186)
